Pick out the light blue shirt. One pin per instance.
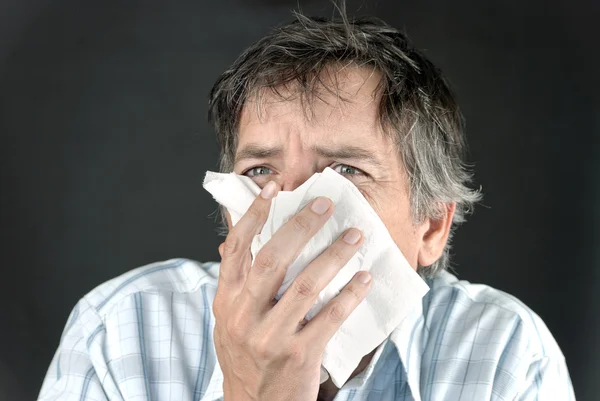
(148, 335)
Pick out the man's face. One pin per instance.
(277, 142)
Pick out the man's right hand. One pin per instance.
(263, 351)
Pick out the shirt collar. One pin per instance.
(407, 338)
(407, 341)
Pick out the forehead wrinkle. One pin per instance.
(269, 140)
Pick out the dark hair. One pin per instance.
(417, 108)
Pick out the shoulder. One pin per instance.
(490, 342)
(128, 328)
(185, 284)
(485, 315)
(175, 276)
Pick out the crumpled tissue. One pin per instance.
(396, 288)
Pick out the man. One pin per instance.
(356, 97)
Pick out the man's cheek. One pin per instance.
(370, 194)
(377, 201)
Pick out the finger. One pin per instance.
(322, 327)
(269, 267)
(300, 297)
(235, 252)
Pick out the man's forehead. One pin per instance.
(359, 141)
(344, 94)
(286, 125)
(327, 124)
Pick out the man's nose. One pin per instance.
(293, 179)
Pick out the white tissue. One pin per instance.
(396, 287)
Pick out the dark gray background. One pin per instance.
(104, 144)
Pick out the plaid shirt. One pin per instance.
(148, 335)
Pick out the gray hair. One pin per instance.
(417, 108)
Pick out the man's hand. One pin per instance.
(263, 351)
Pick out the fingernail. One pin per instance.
(269, 190)
(320, 206)
(364, 277)
(351, 237)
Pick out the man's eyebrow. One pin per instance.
(256, 151)
(348, 152)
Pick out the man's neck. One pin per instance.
(328, 390)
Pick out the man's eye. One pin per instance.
(256, 171)
(347, 170)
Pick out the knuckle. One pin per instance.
(232, 244)
(236, 328)
(265, 261)
(216, 310)
(305, 286)
(262, 346)
(353, 291)
(255, 213)
(337, 312)
(301, 224)
(337, 255)
(296, 352)
(219, 306)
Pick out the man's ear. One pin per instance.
(435, 237)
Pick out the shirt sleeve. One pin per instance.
(73, 373)
(548, 379)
